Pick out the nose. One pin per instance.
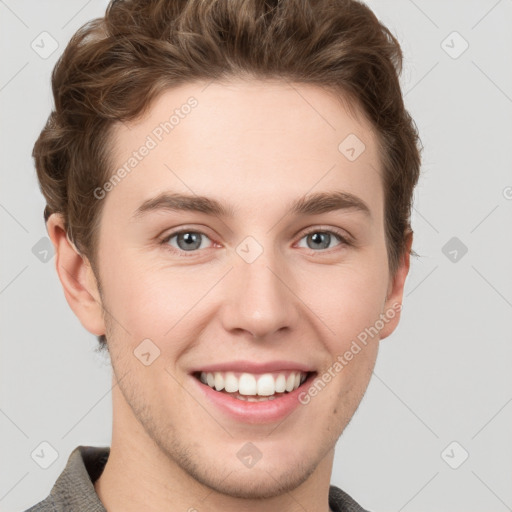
(260, 299)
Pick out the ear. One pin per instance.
(77, 278)
(393, 304)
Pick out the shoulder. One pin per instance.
(47, 505)
(74, 489)
(340, 501)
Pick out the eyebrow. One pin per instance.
(310, 204)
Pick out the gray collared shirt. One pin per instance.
(74, 490)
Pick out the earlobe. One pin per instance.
(393, 304)
(77, 278)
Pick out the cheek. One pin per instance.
(156, 302)
(348, 301)
(148, 305)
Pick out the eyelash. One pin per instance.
(165, 241)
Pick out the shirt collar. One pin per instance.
(74, 489)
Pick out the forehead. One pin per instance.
(246, 140)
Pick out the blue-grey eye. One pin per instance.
(187, 240)
(320, 239)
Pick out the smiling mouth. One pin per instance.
(253, 387)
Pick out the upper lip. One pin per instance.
(253, 367)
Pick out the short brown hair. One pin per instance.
(114, 67)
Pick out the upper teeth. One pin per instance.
(265, 384)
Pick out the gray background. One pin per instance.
(443, 377)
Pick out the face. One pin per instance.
(262, 287)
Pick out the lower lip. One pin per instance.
(267, 411)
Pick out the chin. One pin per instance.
(256, 483)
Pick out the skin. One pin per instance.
(255, 146)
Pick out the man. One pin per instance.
(228, 190)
